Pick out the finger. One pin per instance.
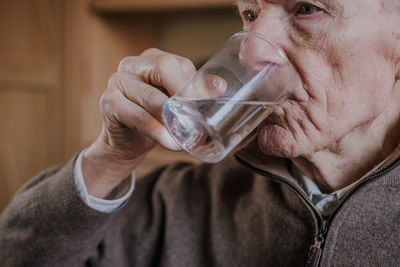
(148, 97)
(160, 69)
(188, 68)
(116, 105)
(133, 64)
(210, 86)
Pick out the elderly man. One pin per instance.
(320, 185)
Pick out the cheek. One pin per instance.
(342, 83)
(361, 87)
(364, 61)
(337, 100)
(360, 75)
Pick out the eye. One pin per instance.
(250, 16)
(305, 9)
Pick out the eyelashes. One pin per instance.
(302, 10)
(306, 9)
(250, 15)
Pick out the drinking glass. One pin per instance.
(229, 96)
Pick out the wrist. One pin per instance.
(104, 168)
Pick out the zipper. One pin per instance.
(389, 168)
(315, 250)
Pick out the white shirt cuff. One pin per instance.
(100, 204)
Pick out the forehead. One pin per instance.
(334, 6)
(283, 2)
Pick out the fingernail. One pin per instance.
(217, 83)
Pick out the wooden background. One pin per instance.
(55, 60)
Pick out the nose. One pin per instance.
(261, 48)
(256, 53)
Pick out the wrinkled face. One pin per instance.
(345, 56)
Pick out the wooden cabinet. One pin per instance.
(31, 90)
(151, 5)
(56, 58)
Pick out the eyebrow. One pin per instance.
(333, 5)
(236, 2)
(253, 3)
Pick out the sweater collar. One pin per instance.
(251, 156)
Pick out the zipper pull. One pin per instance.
(315, 252)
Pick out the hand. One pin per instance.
(131, 111)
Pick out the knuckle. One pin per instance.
(126, 63)
(151, 97)
(166, 60)
(163, 65)
(187, 63)
(187, 66)
(150, 51)
(107, 102)
(114, 80)
(116, 76)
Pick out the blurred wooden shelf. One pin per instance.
(116, 6)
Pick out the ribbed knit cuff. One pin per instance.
(103, 205)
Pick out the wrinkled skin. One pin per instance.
(340, 121)
(346, 60)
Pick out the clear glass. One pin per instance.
(229, 96)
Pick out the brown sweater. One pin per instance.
(239, 212)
